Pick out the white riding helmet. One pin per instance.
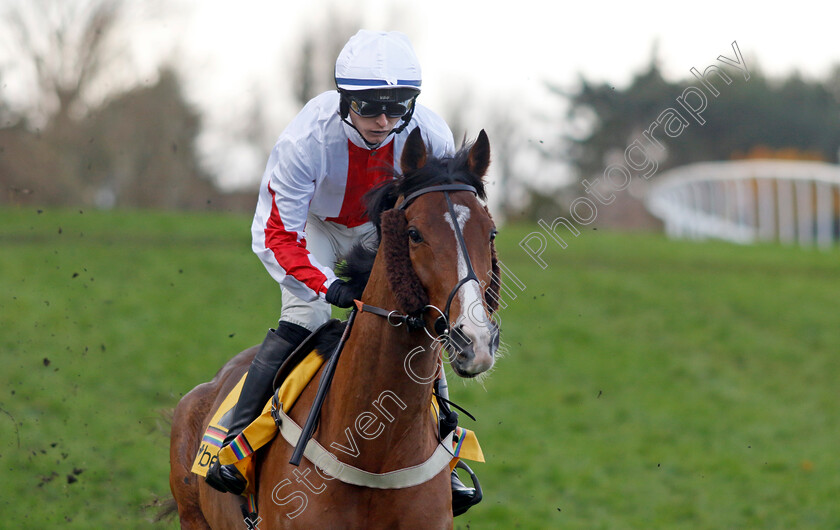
(377, 72)
(377, 59)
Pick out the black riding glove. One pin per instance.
(341, 294)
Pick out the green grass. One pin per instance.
(647, 383)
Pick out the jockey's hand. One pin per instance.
(341, 294)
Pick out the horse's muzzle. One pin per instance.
(472, 348)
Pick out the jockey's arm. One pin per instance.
(278, 236)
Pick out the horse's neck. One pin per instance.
(375, 402)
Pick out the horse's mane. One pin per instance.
(445, 170)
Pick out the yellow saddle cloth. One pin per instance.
(263, 429)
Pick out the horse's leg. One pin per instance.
(187, 423)
(198, 503)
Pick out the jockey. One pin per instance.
(310, 209)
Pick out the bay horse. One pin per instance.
(436, 263)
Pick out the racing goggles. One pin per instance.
(372, 103)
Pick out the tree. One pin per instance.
(63, 47)
(509, 144)
(608, 118)
(315, 65)
(136, 148)
(60, 49)
(778, 114)
(141, 150)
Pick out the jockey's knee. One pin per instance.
(310, 315)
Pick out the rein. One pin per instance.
(323, 388)
(394, 318)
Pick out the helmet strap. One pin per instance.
(406, 118)
(362, 136)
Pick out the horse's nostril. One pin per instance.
(461, 343)
(466, 352)
(460, 336)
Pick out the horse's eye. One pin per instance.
(414, 235)
(493, 234)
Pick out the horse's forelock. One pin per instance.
(445, 170)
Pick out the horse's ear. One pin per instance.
(479, 158)
(414, 152)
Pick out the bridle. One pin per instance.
(394, 318)
(442, 328)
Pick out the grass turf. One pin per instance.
(647, 383)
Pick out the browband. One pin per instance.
(442, 187)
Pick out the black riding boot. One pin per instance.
(462, 496)
(255, 392)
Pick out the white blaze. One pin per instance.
(473, 316)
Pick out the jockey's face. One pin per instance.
(374, 129)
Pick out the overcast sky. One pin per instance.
(500, 51)
(233, 54)
(519, 44)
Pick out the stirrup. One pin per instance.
(462, 503)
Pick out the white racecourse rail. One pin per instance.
(750, 200)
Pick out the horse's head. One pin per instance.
(438, 243)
